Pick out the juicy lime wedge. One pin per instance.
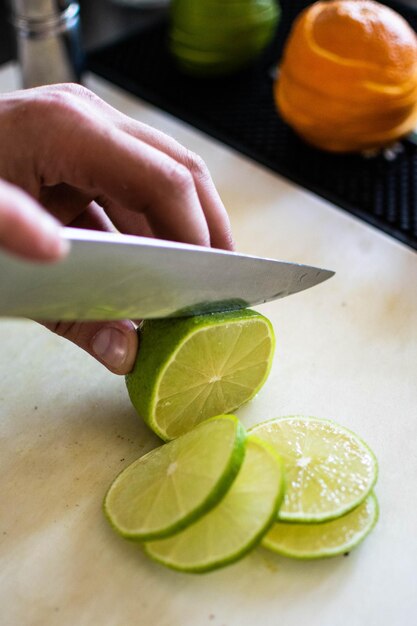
(316, 541)
(329, 470)
(173, 485)
(190, 369)
(236, 524)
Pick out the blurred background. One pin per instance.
(240, 110)
(102, 21)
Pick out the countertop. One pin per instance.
(346, 350)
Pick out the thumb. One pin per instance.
(114, 344)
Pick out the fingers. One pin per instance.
(114, 344)
(129, 165)
(213, 208)
(136, 176)
(26, 229)
(93, 218)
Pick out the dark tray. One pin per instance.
(240, 112)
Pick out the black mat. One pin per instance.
(239, 111)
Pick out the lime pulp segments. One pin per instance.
(174, 484)
(329, 470)
(316, 541)
(190, 369)
(236, 524)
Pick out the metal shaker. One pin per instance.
(48, 41)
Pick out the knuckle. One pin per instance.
(63, 103)
(78, 92)
(52, 104)
(58, 95)
(22, 114)
(74, 89)
(63, 100)
(196, 165)
(31, 109)
(179, 177)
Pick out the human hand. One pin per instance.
(67, 157)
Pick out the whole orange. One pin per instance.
(348, 77)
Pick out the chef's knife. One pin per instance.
(113, 276)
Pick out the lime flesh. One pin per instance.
(191, 369)
(236, 524)
(329, 470)
(171, 486)
(316, 541)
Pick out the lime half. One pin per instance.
(173, 485)
(329, 470)
(236, 524)
(190, 369)
(212, 37)
(316, 541)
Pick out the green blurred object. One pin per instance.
(215, 37)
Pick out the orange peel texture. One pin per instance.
(348, 77)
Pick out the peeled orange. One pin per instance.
(348, 78)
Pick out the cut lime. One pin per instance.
(236, 524)
(329, 470)
(316, 541)
(190, 369)
(213, 38)
(173, 485)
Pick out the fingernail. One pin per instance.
(110, 345)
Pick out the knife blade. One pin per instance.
(109, 276)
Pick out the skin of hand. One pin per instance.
(67, 157)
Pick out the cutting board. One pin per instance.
(346, 350)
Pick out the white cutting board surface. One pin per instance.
(346, 350)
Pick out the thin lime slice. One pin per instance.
(317, 541)
(236, 524)
(190, 369)
(329, 470)
(173, 485)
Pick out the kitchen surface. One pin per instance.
(346, 350)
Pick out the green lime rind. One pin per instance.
(160, 343)
(216, 60)
(351, 487)
(236, 525)
(213, 38)
(329, 539)
(225, 18)
(217, 449)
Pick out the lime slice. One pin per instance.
(190, 369)
(329, 470)
(173, 485)
(236, 524)
(316, 541)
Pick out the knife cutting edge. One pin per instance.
(109, 276)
